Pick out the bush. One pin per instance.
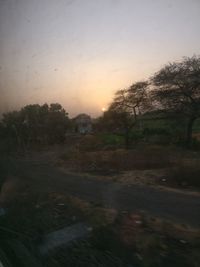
(112, 139)
(109, 162)
(185, 175)
(195, 144)
(100, 142)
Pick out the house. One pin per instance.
(83, 123)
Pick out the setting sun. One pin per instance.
(103, 109)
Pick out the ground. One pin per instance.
(130, 211)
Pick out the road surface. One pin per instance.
(179, 207)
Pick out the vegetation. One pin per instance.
(115, 161)
(126, 109)
(171, 96)
(35, 124)
(177, 89)
(166, 106)
(138, 135)
(116, 238)
(184, 175)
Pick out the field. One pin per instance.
(95, 180)
(144, 164)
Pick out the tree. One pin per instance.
(127, 107)
(177, 89)
(57, 123)
(13, 128)
(35, 124)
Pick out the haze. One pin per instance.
(78, 52)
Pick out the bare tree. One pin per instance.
(177, 89)
(128, 105)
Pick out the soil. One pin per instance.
(42, 177)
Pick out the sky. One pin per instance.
(79, 52)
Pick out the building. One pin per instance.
(83, 124)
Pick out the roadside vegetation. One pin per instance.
(133, 240)
(150, 134)
(149, 164)
(151, 125)
(164, 109)
(116, 238)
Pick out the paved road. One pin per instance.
(180, 207)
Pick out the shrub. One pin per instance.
(185, 175)
(107, 162)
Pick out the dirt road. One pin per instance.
(179, 207)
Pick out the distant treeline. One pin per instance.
(41, 124)
(171, 96)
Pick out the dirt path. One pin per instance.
(179, 207)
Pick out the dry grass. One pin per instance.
(148, 241)
(149, 165)
(130, 239)
(117, 239)
(186, 174)
(117, 160)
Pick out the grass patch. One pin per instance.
(113, 161)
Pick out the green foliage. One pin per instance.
(136, 135)
(112, 139)
(174, 103)
(125, 110)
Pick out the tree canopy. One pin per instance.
(36, 124)
(177, 88)
(126, 108)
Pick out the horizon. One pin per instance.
(79, 53)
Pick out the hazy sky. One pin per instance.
(78, 52)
